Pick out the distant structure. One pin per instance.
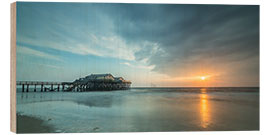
(100, 82)
(93, 82)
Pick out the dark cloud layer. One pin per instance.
(193, 36)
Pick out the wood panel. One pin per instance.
(13, 68)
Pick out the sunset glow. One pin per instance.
(203, 78)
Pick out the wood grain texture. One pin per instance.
(13, 68)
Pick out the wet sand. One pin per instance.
(28, 124)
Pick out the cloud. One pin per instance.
(36, 53)
(138, 66)
(50, 66)
(177, 40)
(195, 39)
(101, 46)
(55, 29)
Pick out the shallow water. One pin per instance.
(145, 109)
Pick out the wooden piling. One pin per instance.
(51, 87)
(35, 88)
(41, 89)
(23, 88)
(27, 88)
(58, 87)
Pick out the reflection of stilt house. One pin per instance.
(99, 82)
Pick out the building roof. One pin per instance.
(93, 77)
(99, 75)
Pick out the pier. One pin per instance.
(93, 82)
(41, 86)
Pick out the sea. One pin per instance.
(145, 109)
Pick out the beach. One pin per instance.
(140, 110)
(28, 124)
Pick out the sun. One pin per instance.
(203, 78)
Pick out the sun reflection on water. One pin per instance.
(203, 90)
(204, 110)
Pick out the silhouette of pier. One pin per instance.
(93, 82)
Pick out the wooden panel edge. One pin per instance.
(13, 68)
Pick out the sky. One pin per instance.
(163, 45)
